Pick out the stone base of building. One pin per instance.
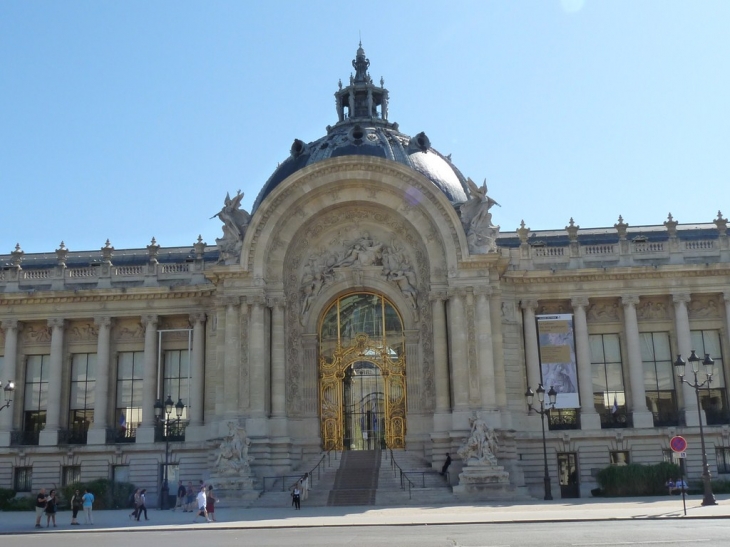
(237, 491)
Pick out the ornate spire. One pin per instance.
(361, 100)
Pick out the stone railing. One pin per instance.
(105, 276)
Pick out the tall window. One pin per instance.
(129, 393)
(176, 381)
(722, 455)
(661, 397)
(71, 474)
(81, 401)
(609, 397)
(35, 401)
(714, 399)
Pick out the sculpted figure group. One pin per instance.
(482, 444)
(235, 221)
(232, 455)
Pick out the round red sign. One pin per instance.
(678, 444)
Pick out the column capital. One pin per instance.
(629, 300)
(56, 322)
(256, 299)
(437, 296)
(149, 320)
(579, 302)
(228, 301)
(482, 290)
(528, 305)
(275, 301)
(680, 297)
(726, 296)
(103, 321)
(9, 324)
(456, 292)
(197, 317)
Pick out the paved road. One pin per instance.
(646, 510)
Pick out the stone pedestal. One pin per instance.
(484, 481)
(234, 491)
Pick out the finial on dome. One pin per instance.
(361, 65)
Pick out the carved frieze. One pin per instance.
(554, 307)
(652, 309)
(603, 310)
(128, 330)
(35, 333)
(82, 332)
(704, 307)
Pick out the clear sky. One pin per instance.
(128, 120)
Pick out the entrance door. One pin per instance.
(364, 407)
(568, 475)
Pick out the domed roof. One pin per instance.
(363, 129)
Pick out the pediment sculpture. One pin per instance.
(235, 222)
(481, 234)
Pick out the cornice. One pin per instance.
(12, 299)
(517, 277)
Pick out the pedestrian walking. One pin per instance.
(210, 501)
(181, 493)
(189, 498)
(76, 506)
(142, 504)
(202, 502)
(88, 503)
(51, 509)
(305, 486)
(136, 501)
(40, 506)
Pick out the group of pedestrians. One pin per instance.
(202, 503)
(140, 504)
(47, 504)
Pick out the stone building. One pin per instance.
(367, 300)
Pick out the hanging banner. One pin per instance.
(557, 358)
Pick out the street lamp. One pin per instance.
(552, 396)
(709, 364)
(167, 406)
(7, 394)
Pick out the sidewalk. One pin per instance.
(483, 513)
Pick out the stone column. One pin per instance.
(10, 374)
(500, 379)
(232, 360)
(146, 431)
(642, 418)
(726, 297)
(278, 363)
(589, 418)
(532, 353)
(97, 432)
(257, 358)
(440, 353)
(458, 343)
(485, 352)
(197, 369)
(49, 434)
(684, 345)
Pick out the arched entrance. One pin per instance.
(362, 373)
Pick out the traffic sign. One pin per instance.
(678, 444)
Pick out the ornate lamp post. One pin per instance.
(7, 394)
(552, 396)
(167, 406)
(709, 364)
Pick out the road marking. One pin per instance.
(656, 542)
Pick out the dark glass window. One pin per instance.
(661, 397)
(35, 400)
(130, 378)
(609, 397)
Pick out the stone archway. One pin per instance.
(344, 345)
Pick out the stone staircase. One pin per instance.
(357, 479)
(362, 478)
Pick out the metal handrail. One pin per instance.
(318, 467)
(394, 465)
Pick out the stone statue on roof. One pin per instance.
(481, 234)
(235, 221)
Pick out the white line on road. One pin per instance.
(657, 542)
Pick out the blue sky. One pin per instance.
(128, 120)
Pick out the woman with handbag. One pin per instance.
(76, 506)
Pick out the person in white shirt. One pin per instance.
(201, 498)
